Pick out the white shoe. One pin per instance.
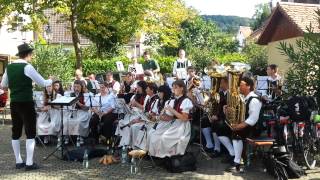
(66, 140)
(46, 140)
(81, 140)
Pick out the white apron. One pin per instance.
(76, 122)
(169, 139)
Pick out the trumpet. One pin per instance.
(194, 83)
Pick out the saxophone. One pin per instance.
(236, 107)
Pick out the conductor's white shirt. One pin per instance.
(30, 72)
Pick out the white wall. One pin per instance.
(10, 40)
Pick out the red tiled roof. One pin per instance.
(298, 15)
(61, 32)
(302, 15)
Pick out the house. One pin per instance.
(303, 1)
(243, 33)
(57, 31)
(287, 23)
(10, 38)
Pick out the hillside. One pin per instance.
(228, 24)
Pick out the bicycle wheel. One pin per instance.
(309, 150)
(280, 172)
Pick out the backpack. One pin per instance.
(279, 164)
(274, 167)
(260, 126)
(77, 154)
(181, 163)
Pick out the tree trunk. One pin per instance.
(75, 34)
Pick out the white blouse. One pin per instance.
(185, 106)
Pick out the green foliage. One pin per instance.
(162, 23)
(110, 24)
(54, 61)
(103, 65)
(165, 63)
(257, 58)
(232, 57)
(228, 24)
(261, 14)
(200, 58)
(198, 33)
(303, 77)
(203, 41)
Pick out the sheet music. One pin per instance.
(126, 108)
(206, 82)
(262, 83)
(63, 100)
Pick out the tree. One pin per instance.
(162, 22)
(303, 77)
(257, 58)
(112, 23)
(203, 41)
(54, 61)
(262, 12)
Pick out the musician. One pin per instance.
(136, 68)
(113, 85)
(92, 84)
(197, 99)
(57, 86)
(180, 66)
(274, 81)
(136, 105)
(164, 93)
(127, 87)
(104, 113)
(43, 112)
(150, 66)
(245, 129)
(219, 126)
(172, 134)
(139, 128)
(78, 90)
(18, 77)
(78, 77)
(193, 86)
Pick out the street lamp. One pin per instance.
(48, 33)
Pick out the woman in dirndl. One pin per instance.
(137, 104)
(171, 136)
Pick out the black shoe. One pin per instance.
(235, 168)
(34, 166)
(208, 150)
(228, 160)
(216, 153)
(20, 165)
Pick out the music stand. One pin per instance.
(62, 101)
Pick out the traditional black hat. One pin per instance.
(24, 48)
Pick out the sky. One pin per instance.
(243, 8)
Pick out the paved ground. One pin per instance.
(57, 169)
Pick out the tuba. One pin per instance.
(216, 73)
(236, 107)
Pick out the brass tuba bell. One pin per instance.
(216, 72)
(235, 112)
